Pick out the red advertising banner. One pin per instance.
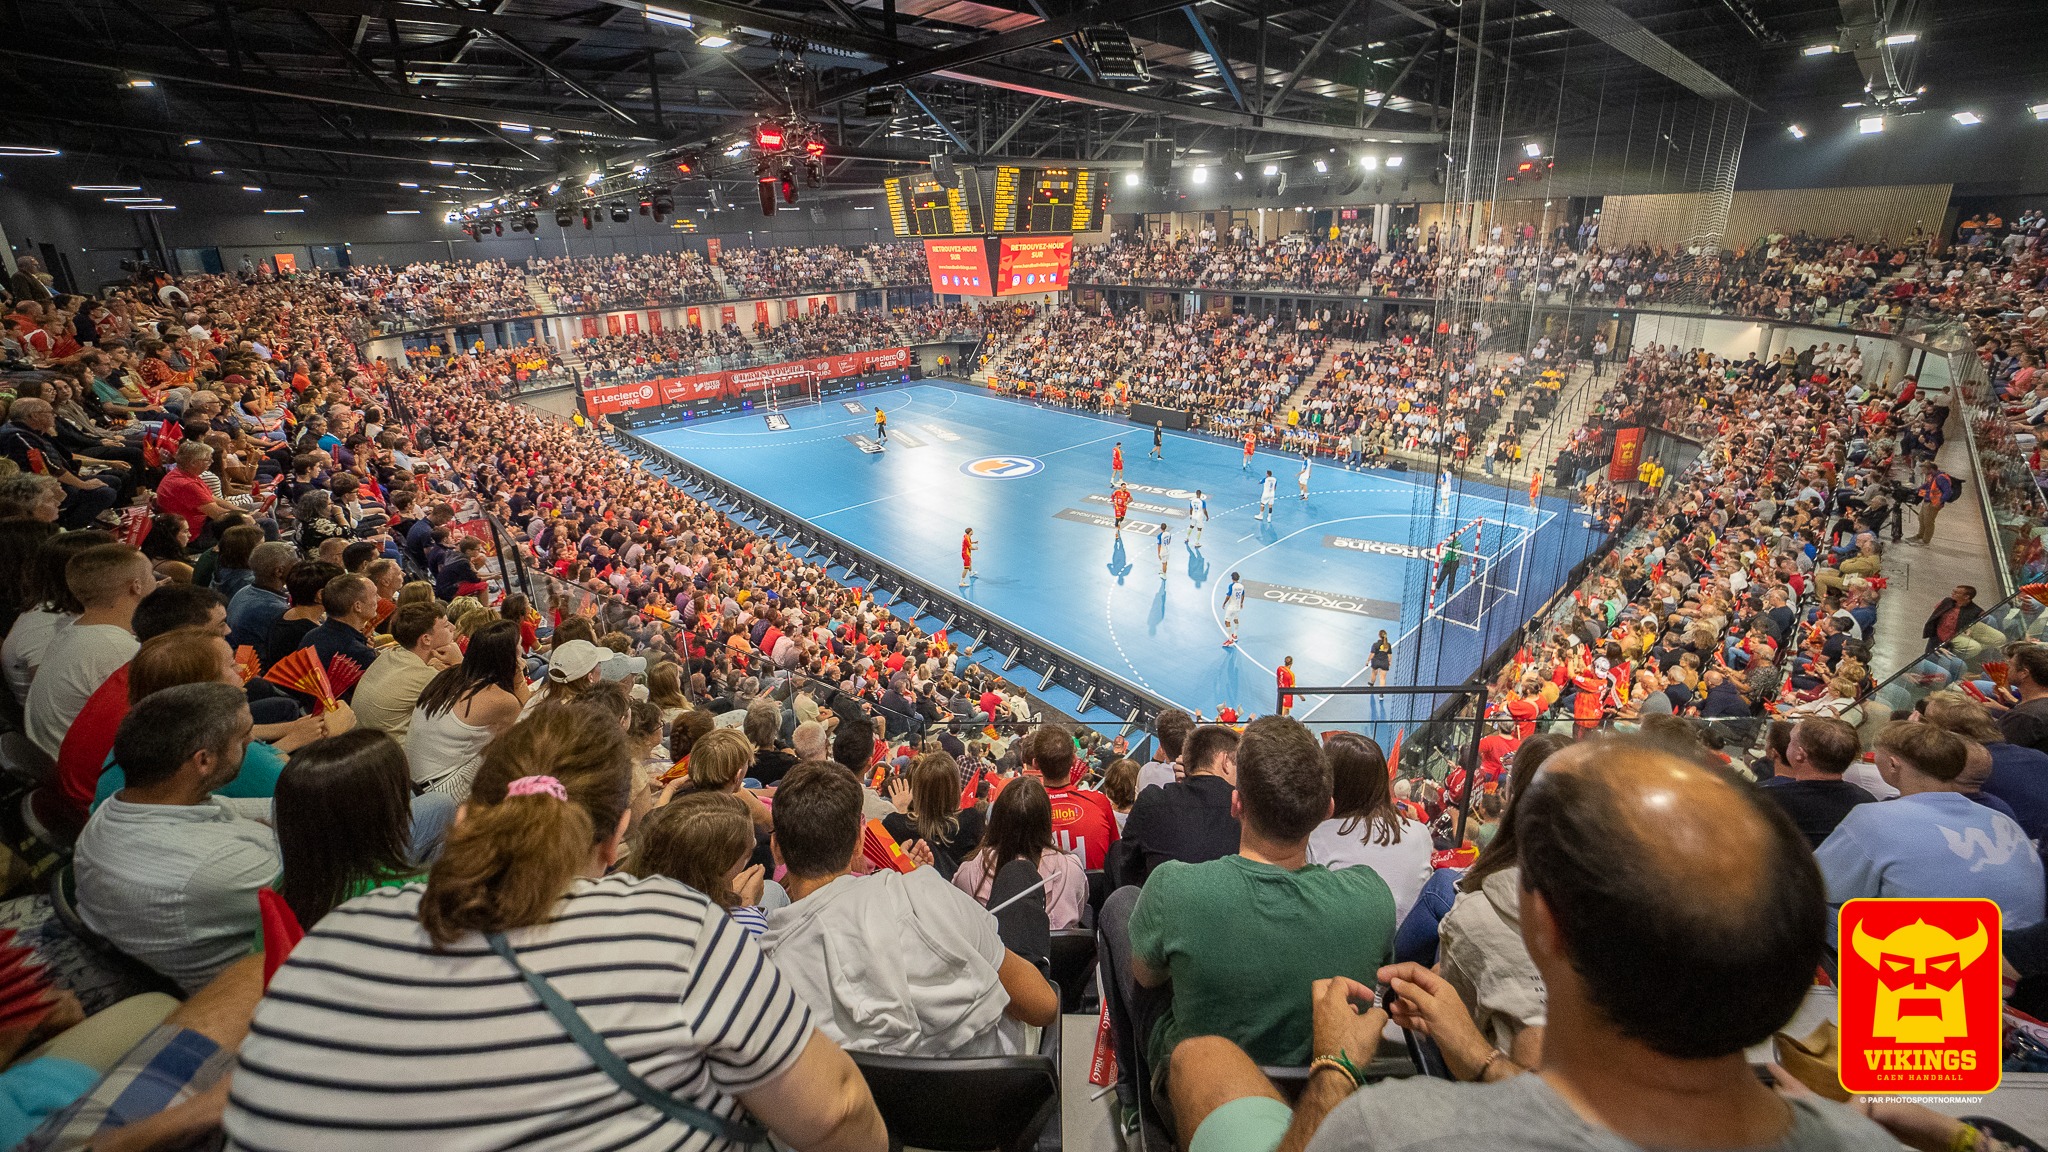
(760, 312)
(654, 321)
(696, 318)
(611, 324)
(632, 323)
(589, 327)
(286, 262)
(1033, 264)
(607, 399)
(1628, 453)
(959, 267)
(727, 314)
(711, 248)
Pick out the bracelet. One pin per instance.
(1338, 1063)
(1479, 1074)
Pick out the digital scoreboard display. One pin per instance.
(922, 206)
(1046, 200)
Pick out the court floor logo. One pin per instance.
(1003, 467)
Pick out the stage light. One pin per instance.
(1967, 118)
(1819, 50)
(1393, 161)
(1131, 179)
(788, 180)
(2040, 111)
(1797, 132)
(767, 196)
(621, 213)
(1368, 162)
(497, 227)
(769, 137)
(586, 219)
(1870, 125)
(815, 148)
(1321, 166)
(1532, 149)
(1199, 176)
(593, 178)
(1272, 169)
(713, 39)
(1898, 38)
(140, 82)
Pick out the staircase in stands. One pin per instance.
(540, 297)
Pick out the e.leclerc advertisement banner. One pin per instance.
(609, 398)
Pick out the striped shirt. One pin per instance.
(370, 1039)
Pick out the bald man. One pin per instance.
(1651, 885)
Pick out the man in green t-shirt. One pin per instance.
(1241, 939)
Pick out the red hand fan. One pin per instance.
(301, 672)
(881, 849)
(342, 674)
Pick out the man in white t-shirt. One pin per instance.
(899, 963)
(110, 580)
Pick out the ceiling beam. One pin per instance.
(1627, 35)
(315, 92)
(1058, 88)
(988, 48)
(1222, 62)
(944, 125)
(1294, 77)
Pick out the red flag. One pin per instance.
(1394, 757)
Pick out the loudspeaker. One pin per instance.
(943, 170)
(916, 373)
(768, 197)
(1158, 161)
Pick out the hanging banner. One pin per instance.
(606, 399)
(589, 327)
(286, 262)
(761, 312)
(612, 325)
(959, 267)
(1033, 264)
(1628, 452)
(632, 323)
(711, 248)
(654, 321)
(727, 314)
(696, 319)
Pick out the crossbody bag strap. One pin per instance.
(613, 1066)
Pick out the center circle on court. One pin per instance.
(1003, 467)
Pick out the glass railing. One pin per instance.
(2003, 451)
(1974, 660)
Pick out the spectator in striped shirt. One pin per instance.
(395, 1025)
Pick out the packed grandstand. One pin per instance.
(247, 563)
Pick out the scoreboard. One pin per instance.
(1056, 201)
(922, 206)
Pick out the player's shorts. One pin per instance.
(1230, 616)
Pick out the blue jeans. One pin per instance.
(432, 815)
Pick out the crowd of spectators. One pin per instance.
(585, 283)
(665, 778)
(442, 291)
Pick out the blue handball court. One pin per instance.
(1323, 576)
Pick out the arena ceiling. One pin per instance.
(450, 99)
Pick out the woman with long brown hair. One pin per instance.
(464, 708)
(524, 996)
(1020, 828)
(1482, 954)
(1365, 830)
(345, 821)
(927, 803)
